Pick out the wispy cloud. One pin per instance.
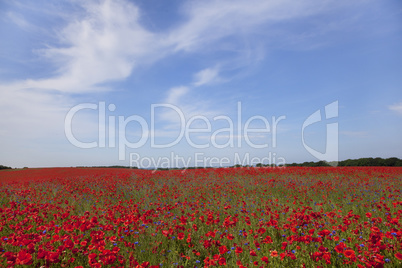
(177, 108)
(97, 42)
(185, 99)
(186, 104)
(105, 41)
(206, 76)
(19, 20)
(209, 21)
(29, 115)
(101, 42)
(396, 108)
(104, 45)
(174, 94)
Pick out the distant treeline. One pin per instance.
(107, 167)
(361, 162)
(4, 167)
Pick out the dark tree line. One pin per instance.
(388, 162)
(361, 162)
(4, 167)
(116, 166)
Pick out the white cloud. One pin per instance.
(246, 29)
(212, 20)
(174, 94)
(185, 105)
(29, 115)
(105, 42)
(206, 76)
(188, 104)
(103, 45)
(32, 126)
(396, 108)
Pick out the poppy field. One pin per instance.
(233, 217)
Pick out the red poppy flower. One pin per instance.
(349, 253)
(339, 248)
(53, 257)
(180, 236)
(24, 258)
(223, 249)
(267, 240)
(145, 264)
(265, 259)
(324, 232)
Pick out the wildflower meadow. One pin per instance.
(233, 217)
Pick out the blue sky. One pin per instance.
(274, 59)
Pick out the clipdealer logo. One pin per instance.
(235, 136)
(112, 133)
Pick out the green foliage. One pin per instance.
(361, 162)
(4, 167)
(374, 162)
